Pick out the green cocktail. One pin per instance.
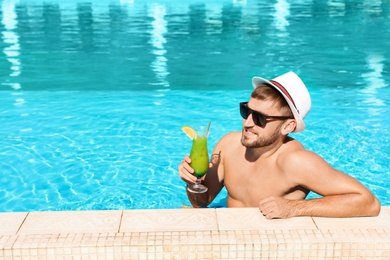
(199, 161)
(199, 156)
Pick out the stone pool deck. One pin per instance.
(222, 233)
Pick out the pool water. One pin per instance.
(93, 93)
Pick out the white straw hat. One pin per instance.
(294, 91)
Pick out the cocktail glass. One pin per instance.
(199, 161)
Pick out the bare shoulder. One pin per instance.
(295, 156)
(228, 143)
(232, 135)
(300, 157)
(228, 138)
(309, 169)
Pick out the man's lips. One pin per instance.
(249, 132)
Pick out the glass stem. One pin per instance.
(198, 181)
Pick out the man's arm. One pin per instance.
(343, 196)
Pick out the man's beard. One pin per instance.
(260, 142)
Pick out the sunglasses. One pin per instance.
(258, 118)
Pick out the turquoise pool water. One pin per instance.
(93, 93)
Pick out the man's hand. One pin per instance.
(276, 207)
(185, 171)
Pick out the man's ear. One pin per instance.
(289, 126)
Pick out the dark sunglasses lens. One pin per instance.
(257, 118)
(244, 111)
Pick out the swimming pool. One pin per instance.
(94, 93)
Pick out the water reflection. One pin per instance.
(86, 26)
(51, 26)
(243, 2)
(129, 44)
(336, 8)
(11, 40)
(159, 28)
(376, 7)
(282, 11)
(213, 19)
(127, 1)
(374, 80)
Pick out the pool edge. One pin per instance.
(223, 233)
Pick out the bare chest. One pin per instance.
(248, 183)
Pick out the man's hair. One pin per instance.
(267, 92)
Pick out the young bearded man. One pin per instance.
(263, 167)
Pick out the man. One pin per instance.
(263, 167)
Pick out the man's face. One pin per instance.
(255, 136)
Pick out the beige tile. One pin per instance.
(192, 233)
(252, 219)
(380, 222)
(10, 222)
(71, 222)
(168, 220)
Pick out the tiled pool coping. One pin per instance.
(222, 233)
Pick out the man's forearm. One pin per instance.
(338, 206)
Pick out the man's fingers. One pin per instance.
(187, 159)
(265, 203)
(267, 207)
(185, 170)
(269, 214)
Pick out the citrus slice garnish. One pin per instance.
(189, 131)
